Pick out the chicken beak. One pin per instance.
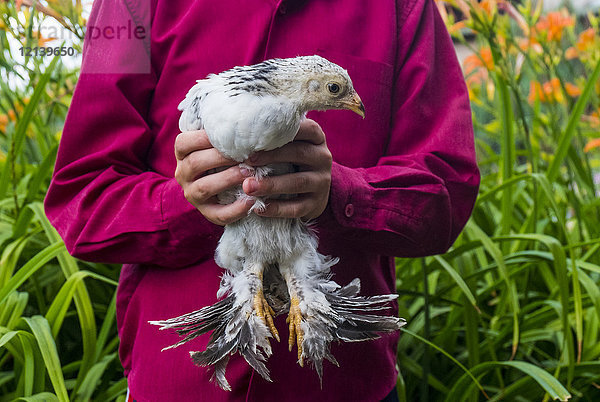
(356, 105)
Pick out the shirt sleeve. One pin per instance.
(104, 200)
(419, 196)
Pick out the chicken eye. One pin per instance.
(333, 88)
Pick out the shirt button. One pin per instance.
(349, 211)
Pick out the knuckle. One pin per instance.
(201, 193)
(220, 218)
(195, 193)
(311, 124)
(327, 155)
(188, 165)
(297, 210)
(178, 174)
(187, 194)
(179, 142)
(220, 158)
(315, 129)
(301, 183)
(177, 148)
(303, 152)
(233, 175)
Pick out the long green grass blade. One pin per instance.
(550, 384)
(449, 356)
(57, 311)
(9, 259)
(498, 257)
(560, 264)
(83, 303)
(41, 397)
(567, 136)
(94, 375)
(458, 279)
(43, 335)
(33, 265)
(107, 325)
(23, 123)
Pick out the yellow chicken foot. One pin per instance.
(264, 311)
(294, 319)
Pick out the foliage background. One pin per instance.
(511, 312)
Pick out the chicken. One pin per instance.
(272, 265)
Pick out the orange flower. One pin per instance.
(535, 92)
(586, 40)
(547, 92)
(489, 6)
(552, 90)
(483, 59)
(571, 53)
(572, 90)
(476, 66)
(595, 143)
(455, 28)
(593, 119)
(3, 122)
(553, 24)
(530, 43)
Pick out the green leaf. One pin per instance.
(62, 301)
(498, 257)
(449, 356)
(550, 384)
(83, 303)
(94, 375)
(567, 136)
(37, 262)
(41, 397)
(109, 320)
(43, 335)
(10, 257)
(457, 278)
(22, 125)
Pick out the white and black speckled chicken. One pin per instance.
(272, 264)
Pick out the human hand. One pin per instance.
(195, 158)
(312, 183)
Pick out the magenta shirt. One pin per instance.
(404, 179)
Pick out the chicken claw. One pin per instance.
(294, 320)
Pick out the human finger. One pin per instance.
(206, 187)
(299, 153)
(293, 183)
(197, 163)
(299, 207)
(190, 141)
(225, 214)
(310, 131)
